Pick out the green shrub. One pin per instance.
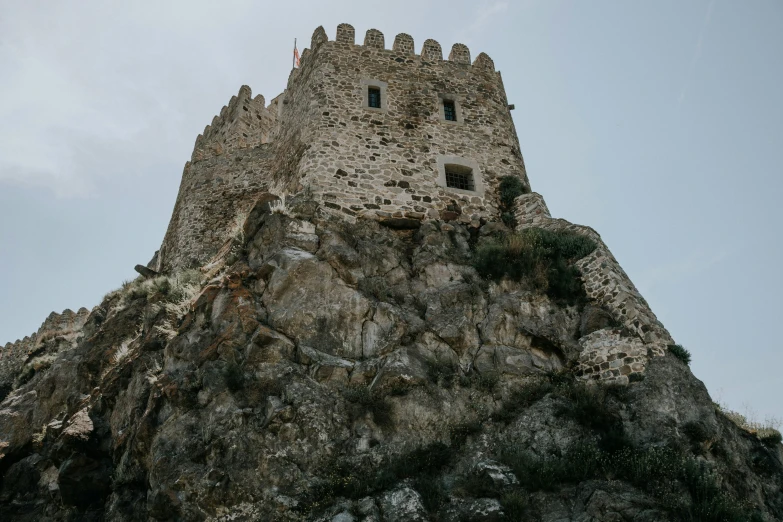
(681, 353)
(234, 376)
(582, 461)
(542, 257)
(771, 439)
(510, 188)
(514, 506)
(695, 431)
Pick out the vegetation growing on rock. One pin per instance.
(357, 371)
(542, 257)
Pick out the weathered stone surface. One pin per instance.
(403, 505)
(308, 302)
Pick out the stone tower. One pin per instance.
(367, 131)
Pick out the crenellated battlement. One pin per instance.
(244, 122)
(384, 158)
(374, 39)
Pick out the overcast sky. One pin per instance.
(658, 123)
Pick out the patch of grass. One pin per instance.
(458, 434)
(548, 473)
(486, 382)
(709, 503)
(681, 353)
(771, 438)
(478, 486)
(542, 257)
(5, 389)
(587, 406)
(343, 480)
(660, 471)
(523, 398)
(514, 506)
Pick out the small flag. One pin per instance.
(296, 55)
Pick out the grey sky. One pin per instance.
(660, 124)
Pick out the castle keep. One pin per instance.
(387, 134)
(368, 131)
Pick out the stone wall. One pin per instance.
(56, 328)
(384, 162)
(228, 168)
(244, 122)
(607, 284)
(320, 136)
(213, 195)
(530, 210)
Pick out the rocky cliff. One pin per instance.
(316, 369)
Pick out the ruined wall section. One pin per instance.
(228, 169)
(384, 162)
(58, 332)
(610, 355)
(244, 122)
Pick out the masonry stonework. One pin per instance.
(322, 137)
(58, 332)
(606, 284)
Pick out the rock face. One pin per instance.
(321, 370)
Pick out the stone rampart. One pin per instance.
(607, 284)
(214, 193)
(57, 327)
(228, 169)
(244, 122)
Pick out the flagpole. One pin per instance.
(293, 58)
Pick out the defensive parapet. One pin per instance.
(368, 131)
(229, 166)
(58, 331)
(607, 355)
(244, 122)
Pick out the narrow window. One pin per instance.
(449, 111)
(374, 97)
(459, 177)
